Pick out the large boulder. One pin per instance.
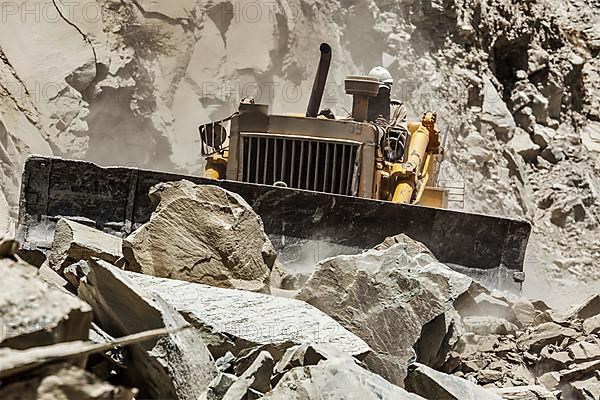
(203, 234)
(234, 320)
(337, 379)
(34, 313)
(174, 366)
(391, 296)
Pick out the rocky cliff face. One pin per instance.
(516, 86)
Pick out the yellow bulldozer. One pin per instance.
(323, 186)
(364, 154)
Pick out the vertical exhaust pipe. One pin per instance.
(318, 88)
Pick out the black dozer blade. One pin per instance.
(304, 226)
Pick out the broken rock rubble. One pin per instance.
(365, 325)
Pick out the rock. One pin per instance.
(219, 386)
(494, 306)
(588, 309)
(343, 288)
(540, 305)
(434, 349)
(537, 60)
(431, 384)
(553, 154)
(8, 247)
(584, 351)
(579, 372)
(486, 376)
(550, 380)
(74, 242)
(34, 313)
(225, 362)
(522, 144)
(585, 389)
(592, 325)
(247, 356)
(542, 135)
(76, 272)
(177, 365)
(15, 362)
(524, 393)
(552, 359)
(484, 326)
(306, 355)
(590, 136)
(202, 234)
(290, 278)
(50, 276)
(495, 112)
(336, 379)
(64, 382)
(180, 9)
(478, 147)
(257, 377)
(525, 312)
(233, 320)
(568, 209)
(545, 334)
(6, 223)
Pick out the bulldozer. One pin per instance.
(353, 156)
(323, 186)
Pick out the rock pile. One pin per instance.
(391, 323)
(515, 86)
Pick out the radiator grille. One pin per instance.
(330, 167)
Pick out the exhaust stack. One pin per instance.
(361, 88)
(320, 79)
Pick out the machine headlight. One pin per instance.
(213, 135)
(393, 144)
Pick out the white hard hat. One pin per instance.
(382, 74)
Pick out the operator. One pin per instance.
(381, 106)
(388, 114)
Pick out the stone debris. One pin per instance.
(561, 355)
(202, 234)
